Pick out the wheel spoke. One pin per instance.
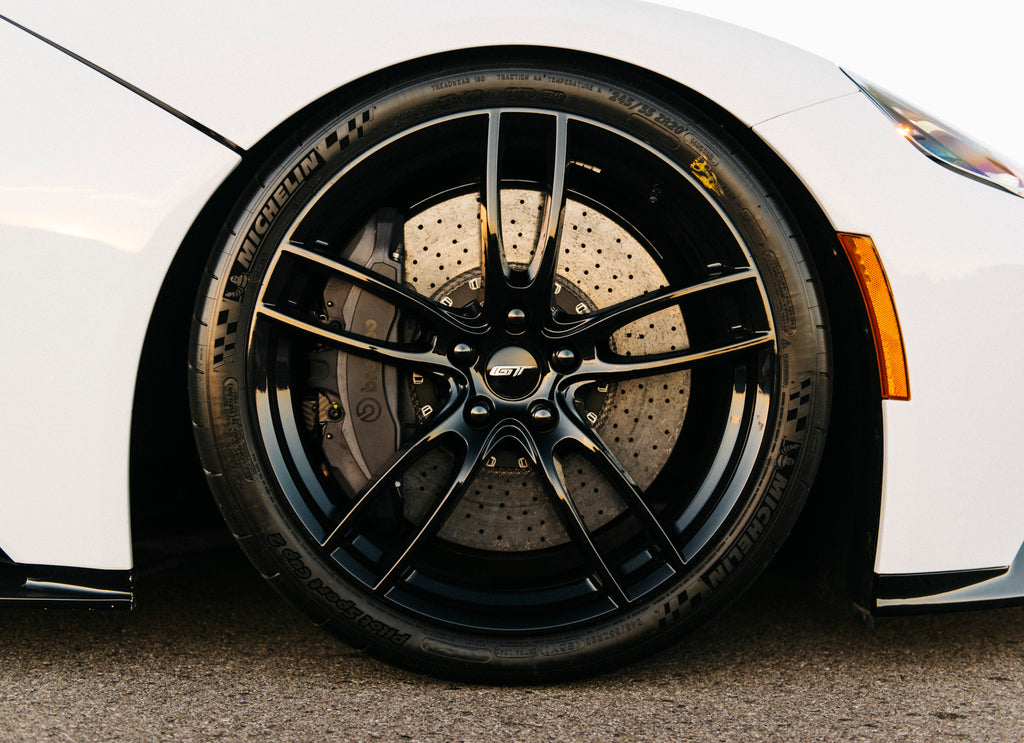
(574, 526)
(382, 351)
(447, 426)
(604, 323)
(428, 529)
(602, 457)
(386, 289)
(542, 270)
(629, 367)
(493, 264)
(477, 448)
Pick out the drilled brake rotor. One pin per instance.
(600, 264)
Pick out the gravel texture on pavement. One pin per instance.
(211, 653)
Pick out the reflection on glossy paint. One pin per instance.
(120, 219)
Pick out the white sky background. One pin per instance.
(959, 61)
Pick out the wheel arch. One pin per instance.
(846, 494)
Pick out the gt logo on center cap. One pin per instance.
(507, 371)
(512, 372)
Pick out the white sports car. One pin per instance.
(515, 338)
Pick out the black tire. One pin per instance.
(579, 445)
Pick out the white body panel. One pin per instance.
(248, 66)
(954, 252)
(97, 190)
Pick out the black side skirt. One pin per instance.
(53, 585)
(961, 589)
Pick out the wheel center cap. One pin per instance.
(512, 373)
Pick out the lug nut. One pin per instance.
(478, 412)
(516, 320)
(543, 415)
(564, 360)
(462, 354)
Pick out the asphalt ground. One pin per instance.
(211, 653)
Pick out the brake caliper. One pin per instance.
(357, 408)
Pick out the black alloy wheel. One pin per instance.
(510, 381)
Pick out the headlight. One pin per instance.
(943, 144)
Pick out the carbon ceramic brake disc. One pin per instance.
(600, 265)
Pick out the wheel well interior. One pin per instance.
(835, 536)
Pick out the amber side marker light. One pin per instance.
(885, 324)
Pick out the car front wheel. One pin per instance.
(509, 372)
